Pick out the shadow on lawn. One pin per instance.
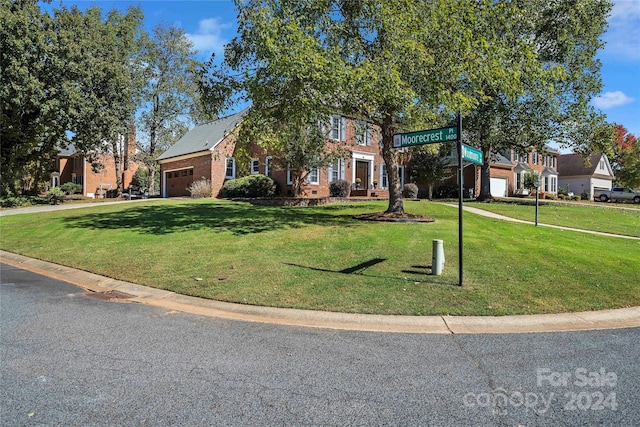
(238, 219)
(360, 269)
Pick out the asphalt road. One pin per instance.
(68, 359)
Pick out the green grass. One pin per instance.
(624, 219)
(321, 258)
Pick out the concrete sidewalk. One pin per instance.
(506, 218)
(60, 207)
(607, 319)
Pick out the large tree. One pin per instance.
(554, 104)
(36, 96)
(626, 158)
(107, 74)
(398, 64)
(170, 96)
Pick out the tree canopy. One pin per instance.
(408, 64)
(169, 95)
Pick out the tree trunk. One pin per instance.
(431, 192)
(485, 176)
(153, 136)
(118, 160)
(396, 203)
(152, 179)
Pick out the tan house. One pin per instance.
(578, 175)
(208, 150)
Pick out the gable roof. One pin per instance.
(574, 165)
(204, 137)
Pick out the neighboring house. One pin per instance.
(545, 164)
(578, 175)
(508, 170)
(207, 151)
(72, 166)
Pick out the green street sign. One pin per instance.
(431, 136)
(471, 154)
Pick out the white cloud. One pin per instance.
(623, 33)
(209, 36)
(611, 99)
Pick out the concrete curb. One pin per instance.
(593, 320)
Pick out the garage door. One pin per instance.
(499, 187)
(178, 181)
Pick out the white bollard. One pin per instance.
(437, 258)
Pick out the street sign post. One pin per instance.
(471, 154)
(430, 136)
(437, 136)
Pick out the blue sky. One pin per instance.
(212, 23)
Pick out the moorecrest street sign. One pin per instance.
(471, 154)
(431, 136)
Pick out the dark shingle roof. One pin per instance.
(574, 164)
(203, 137)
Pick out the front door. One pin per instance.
(362, 172)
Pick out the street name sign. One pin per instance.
(471, 154)
(431, 136)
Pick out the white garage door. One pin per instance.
(499, 187)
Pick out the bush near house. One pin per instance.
(200, 189)
(339, 188)
(249, 186)
(70, 188)
(410, 191)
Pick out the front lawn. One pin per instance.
(321, 258)
(597, 217)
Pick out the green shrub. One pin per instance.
(585, 195)
(549, 196)
(201, 189)
(562, 196)
(15, 201)
(410, 191)
(576, 198)
(71, 188)
(339, 188)
(55, 195)
(562, 191)
(249, 186)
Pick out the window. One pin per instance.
(384, 179)
(289, 180)
(184, 172)
(602, 164)
(314, 176)
(255, 166)
(230, 168)
(535, 157)
(554, 184)
(176, 174)
(545, 186)
(267, 166)
(515, 157)
(190, 171)
(525, 158)
(336, 128)
(336, 170)
(363, 133)
(518, 181)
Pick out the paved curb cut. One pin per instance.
(591, 320)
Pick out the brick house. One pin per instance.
(207, 151)
(72, 166)
(507, 172)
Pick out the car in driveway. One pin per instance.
(616, 194)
